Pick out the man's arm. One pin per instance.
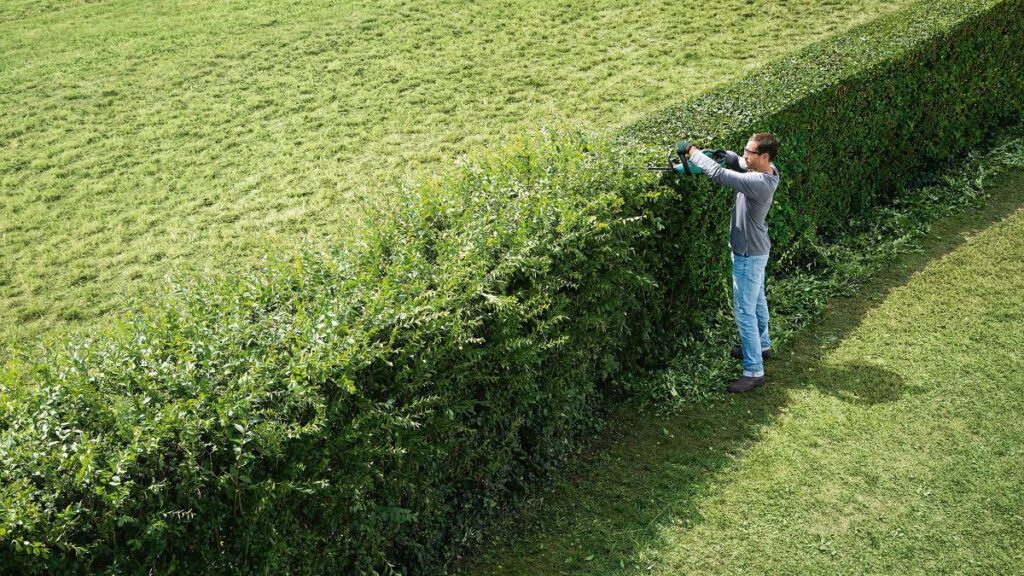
(734, 161)
(750, 184)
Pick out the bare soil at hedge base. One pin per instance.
(143, 139)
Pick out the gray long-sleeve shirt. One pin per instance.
(748, 233)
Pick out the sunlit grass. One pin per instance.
(139, 139)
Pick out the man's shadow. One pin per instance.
(646, 472)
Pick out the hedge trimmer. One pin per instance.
(677, 163)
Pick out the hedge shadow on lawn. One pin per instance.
(647, 472)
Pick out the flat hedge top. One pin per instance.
(732, 109)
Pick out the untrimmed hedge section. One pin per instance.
(362, 410)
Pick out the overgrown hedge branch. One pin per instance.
(362, 410)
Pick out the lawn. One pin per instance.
(141, 139)
(888, 441)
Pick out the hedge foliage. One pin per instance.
(363, 409)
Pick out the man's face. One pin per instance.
(754, 160)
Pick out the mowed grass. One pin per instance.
(889, 440)
(140, 139)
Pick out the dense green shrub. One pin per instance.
(361, 409)
(359, 403)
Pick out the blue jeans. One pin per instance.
(750, 307)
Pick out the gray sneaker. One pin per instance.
(745, 383)
(737, 353)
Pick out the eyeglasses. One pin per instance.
(752, 152)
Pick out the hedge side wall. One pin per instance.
(360, 411)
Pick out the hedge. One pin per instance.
(362, 409)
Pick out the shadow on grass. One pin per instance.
(646, 472)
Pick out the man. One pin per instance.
(755, 183)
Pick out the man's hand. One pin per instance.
(694, 150)
(682, 149)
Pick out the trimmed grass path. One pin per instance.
(890, 440)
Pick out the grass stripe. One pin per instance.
(141, 138)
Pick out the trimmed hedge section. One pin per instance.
(364, 409)
(859, 116)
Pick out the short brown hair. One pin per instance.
(766, 142)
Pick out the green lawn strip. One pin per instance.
(888, 441)
(914, 467)
(138, 139)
